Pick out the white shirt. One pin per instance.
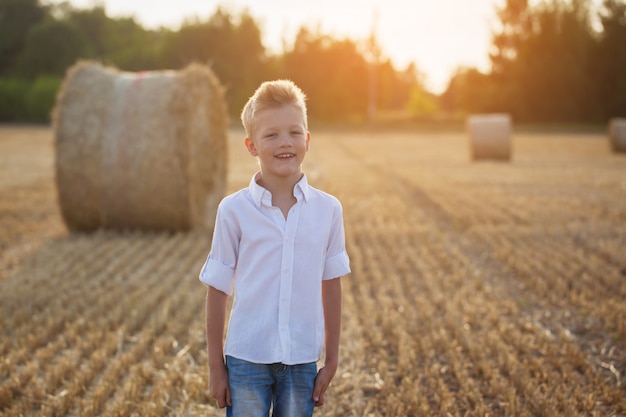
(275, 268)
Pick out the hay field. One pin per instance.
(478, 289)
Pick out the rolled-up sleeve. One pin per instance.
(217, 275)
(337, 262)
(336, 266)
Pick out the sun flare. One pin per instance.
(437, 36)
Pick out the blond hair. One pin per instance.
(273, 94)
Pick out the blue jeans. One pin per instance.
(257, 388)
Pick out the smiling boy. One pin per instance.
(278, 247)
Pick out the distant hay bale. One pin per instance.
(141, 150)
(617, 134)
(490, 136)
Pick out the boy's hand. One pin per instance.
(218, 386)
(322, 381)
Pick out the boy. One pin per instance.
(279, 247)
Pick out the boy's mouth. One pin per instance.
(285, 155)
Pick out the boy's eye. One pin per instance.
(296, 132)
(270, 135)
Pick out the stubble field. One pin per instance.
(478, 288)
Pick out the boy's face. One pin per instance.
(279, 141)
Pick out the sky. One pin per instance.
(437, 35)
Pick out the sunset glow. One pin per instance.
(437, 36)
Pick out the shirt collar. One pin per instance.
(300, 190)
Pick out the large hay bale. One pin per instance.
(617, 134)
(490, 136)
(141, 150)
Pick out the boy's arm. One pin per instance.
(331, 297)
(215, 318)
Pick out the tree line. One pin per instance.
(39, 42)
(555, 61)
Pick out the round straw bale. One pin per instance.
(490, 136)
(617, 134)
(141, 150)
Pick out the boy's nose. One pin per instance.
(285, 140)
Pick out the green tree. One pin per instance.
(332, 72)
(469, 91)
(395, 87)
(542, 62)
(230, 44)
(610, 59)
(50, 48)
(92, 24)
(130, 47)
(120, 42)
(17, 17)
(553, 65)
(409, 90)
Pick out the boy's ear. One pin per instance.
(251, 148)
(308, 140)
